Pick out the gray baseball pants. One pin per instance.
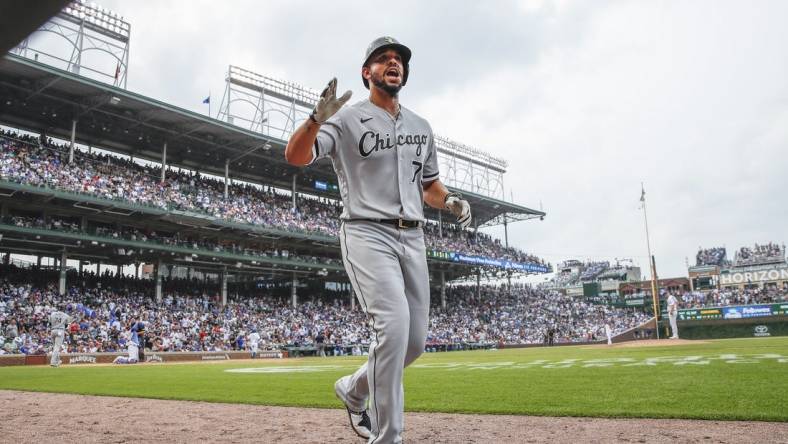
(674, 328)
(58, 335)
(387, 267)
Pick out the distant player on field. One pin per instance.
(136, 331)
(57, 322)
(254, 342)
(609, 333)
(673, 311)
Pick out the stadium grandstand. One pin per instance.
(190, 319)
(120, 199)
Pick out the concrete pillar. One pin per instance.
(137, 269)
(443, 290)
(226, 178)
(505, 231)
(157, 272)
(80, 266)
(352, 298)
(293, 190)
(73, 138)
(294, 291)
(163, 160)
(62, 281)
(478, 285)
(509, 279)
(38, 261)
(440, 224)
(224, 286)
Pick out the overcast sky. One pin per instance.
(585, 100)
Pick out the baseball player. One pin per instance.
(254, 342)
(609, 333)
(57, 323)
(136, 332)
(386, 163)
(673, 311)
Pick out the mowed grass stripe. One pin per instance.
(717, 390)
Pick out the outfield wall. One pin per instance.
(734, 328)
(107, 358)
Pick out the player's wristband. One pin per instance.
(457, 195)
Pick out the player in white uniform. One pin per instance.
(254, 342)
(673, 312)
(57, 322)
(386, 163)
(609, 333)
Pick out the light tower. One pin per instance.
(263, 104)
(87, 28)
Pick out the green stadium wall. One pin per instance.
(739, 328)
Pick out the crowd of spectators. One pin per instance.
(524, 315)
(593, 269)
(199, 244)
(760, 254)
(711, 256)
(473, 243)
(721, 298)
(573, 272)
(31, 161)
(565, 279)
(190, 318)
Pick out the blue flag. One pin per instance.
(207, 100)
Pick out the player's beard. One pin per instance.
(392, 90)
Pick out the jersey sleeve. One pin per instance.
(431, 172)
(327, 138)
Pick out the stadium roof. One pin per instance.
(45, 99)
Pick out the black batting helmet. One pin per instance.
(382, 43)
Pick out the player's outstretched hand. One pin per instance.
(460, 208)
(328, 104)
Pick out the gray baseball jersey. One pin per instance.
(58, 320)
(381, 161)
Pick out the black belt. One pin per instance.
(398, 223)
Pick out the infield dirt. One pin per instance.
(36, 417)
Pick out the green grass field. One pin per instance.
(735, 379)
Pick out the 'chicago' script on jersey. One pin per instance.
(371, 141)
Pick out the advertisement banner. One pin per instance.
(748, 311)
(733, 312)
(698, 314)
(728, 277)
(500, 263)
